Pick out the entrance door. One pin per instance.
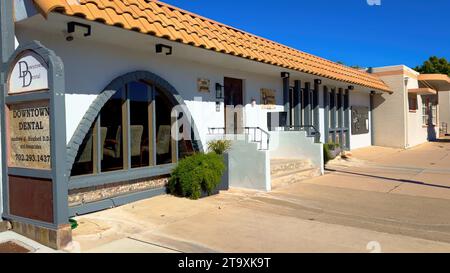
(234, 106)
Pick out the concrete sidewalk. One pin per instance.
(420, 171)
(384, 200)
(255, 222)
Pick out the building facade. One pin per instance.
(147, 84)
(414, 113)
(124, 77)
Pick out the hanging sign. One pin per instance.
(29, 73)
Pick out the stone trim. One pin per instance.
(116, 84)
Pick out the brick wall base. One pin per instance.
(56, 239)
(94, 194)
(4, 226)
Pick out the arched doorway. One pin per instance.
(133, 128)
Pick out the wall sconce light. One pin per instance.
(160, 47)
(219, 91)
(71, 29)
(351, 87)
(318, 81)
(217, 106)
(285, 75)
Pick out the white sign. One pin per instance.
(30, 73)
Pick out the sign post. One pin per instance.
(34, 144)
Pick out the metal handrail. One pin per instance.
(212, 131)
(267, 134)
(307, 128)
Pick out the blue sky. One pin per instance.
(397, 32)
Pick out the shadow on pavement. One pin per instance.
(391, 179)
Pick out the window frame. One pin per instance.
(413, 104)
(126, 143)
(429, 104)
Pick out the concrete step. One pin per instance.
(280, 165)
(288, 171)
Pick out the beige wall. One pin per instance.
(394, 124)
(389, 114)
(417, 133)
(444, 107)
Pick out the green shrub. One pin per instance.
(219, 146)
(326, 154)
(327, 148)
(333, 146)
(196, 174)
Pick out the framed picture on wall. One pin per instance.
(203, 85)
(268, 98)
(360, 120)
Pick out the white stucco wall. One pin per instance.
(296, 145)
(92, 63)
(90, 67)
(249, 167)
(358, 98)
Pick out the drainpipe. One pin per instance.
(372, 127)
(405, 111)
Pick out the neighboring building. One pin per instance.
(414, 112)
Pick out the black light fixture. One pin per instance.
(285, 75)
(351, 87)
(318, 81)
(219, 91)
(71, 28)
(161, 47)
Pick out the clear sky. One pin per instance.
(396, 32)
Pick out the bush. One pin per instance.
(327, 148)
(219, 146)
(196, 174)
(326, 154)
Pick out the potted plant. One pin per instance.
(335, 150)
(331, 151)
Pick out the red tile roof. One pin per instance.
(165, 21)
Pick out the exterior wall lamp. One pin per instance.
(72, 27)
(219, 91)
(285, 75)
(351, 87)
(161, 47)
(318, 81)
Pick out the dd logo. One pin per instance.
(25, 74)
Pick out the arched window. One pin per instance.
(133, 130)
